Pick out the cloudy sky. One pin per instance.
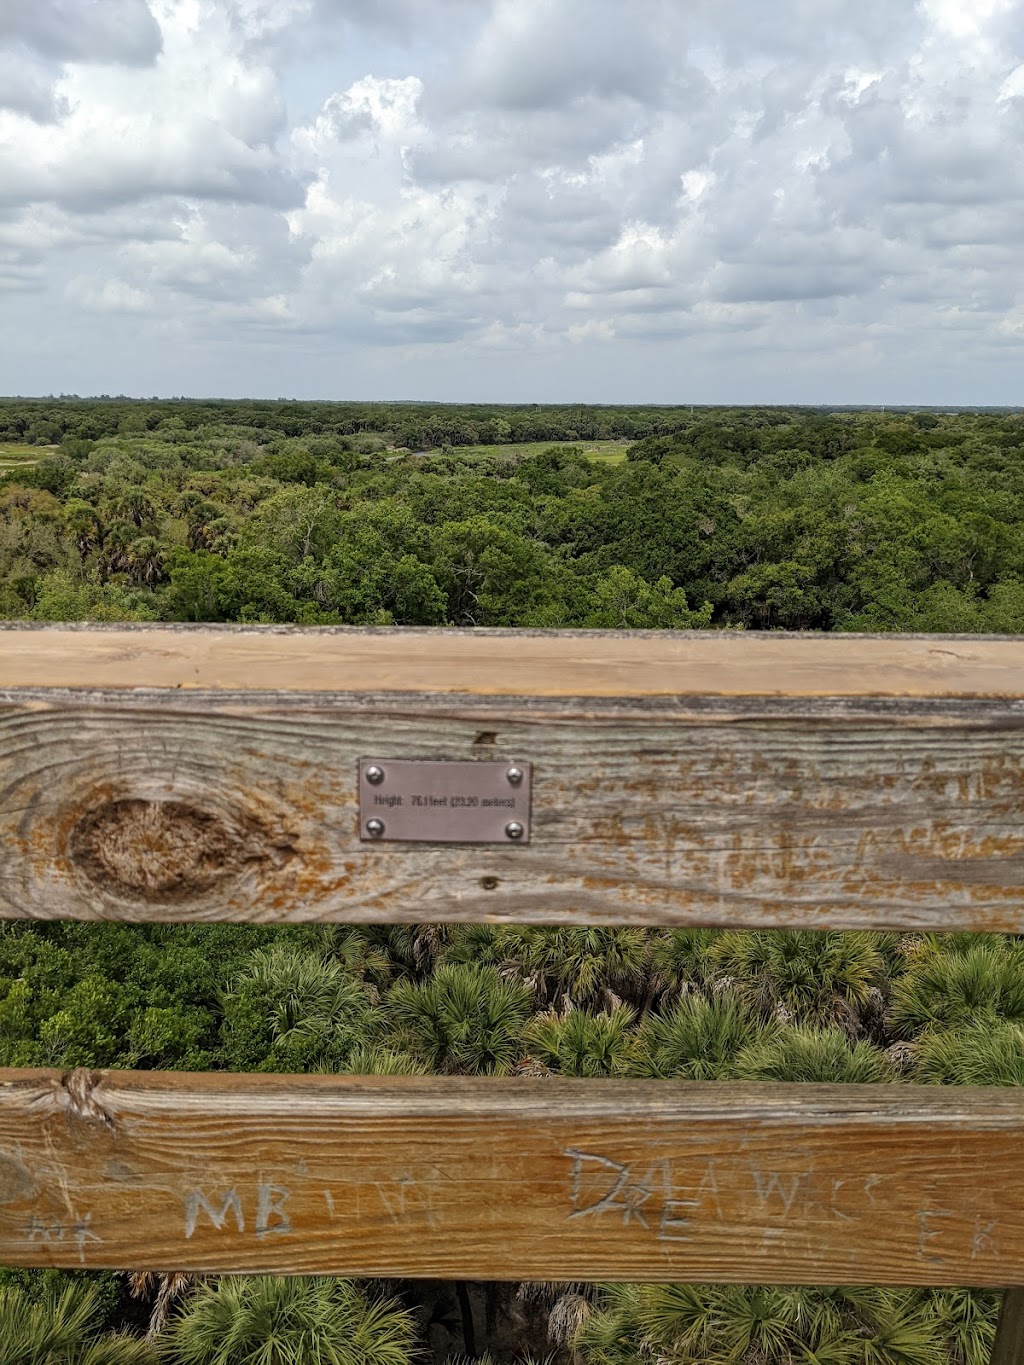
(508, 200)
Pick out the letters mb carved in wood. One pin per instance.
(814, 782)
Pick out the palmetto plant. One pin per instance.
(291, 1010)
(63, 1329)
(681, 960)
(463, 1019)
(699, 1039)
(957, 982)
(966, 1319)
(144, 561)
(270, 1321)
(581, 1044)
(987, 1053)
(588, 966)
(671, 1324)
(821, 1055)
(805, 977)
(382, 1061)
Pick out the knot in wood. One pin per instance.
(154, 850)
(79, 1096)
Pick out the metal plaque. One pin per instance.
(444, 802)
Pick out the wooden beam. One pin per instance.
(551, 1179)
(511, 663)
(884, 790)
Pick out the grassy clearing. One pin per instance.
(12, 457)
(608, 452)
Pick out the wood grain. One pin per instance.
(796, 812)
(512, 663)
(490, 1179)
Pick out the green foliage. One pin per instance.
(979, 1053)
(63, 1328)
(117, 994)
(463, 1019)
(319, 514)
(681, 960)
(583, 966)
(699, 1039)
(807, 977)
(813, 1055)
(777, 1325)
(958, 982)
(580, 1044)
(265, 1321)
(290, 1010)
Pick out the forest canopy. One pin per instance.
(366, 514)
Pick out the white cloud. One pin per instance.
(106, 296)
(83, 30)
(543, 182)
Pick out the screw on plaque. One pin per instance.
(514, 830)
(375, 828)
(515, 776)
(375, 775)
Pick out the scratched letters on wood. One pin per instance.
(515, 1179)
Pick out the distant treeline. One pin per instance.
(418, 426)
(331, 514)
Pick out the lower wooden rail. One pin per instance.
(512, 1179)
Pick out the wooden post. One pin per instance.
(1009, 1343)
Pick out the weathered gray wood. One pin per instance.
(1008, 1348)
(817, 813)
(487, 1179)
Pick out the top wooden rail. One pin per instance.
(815, 781)
(511, 663)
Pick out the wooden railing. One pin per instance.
(160, 773)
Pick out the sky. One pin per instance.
(610, 201)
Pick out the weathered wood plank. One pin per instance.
(793, 813)
(511, 662)
(489, 1179)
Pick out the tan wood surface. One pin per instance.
(796, 812)
(512, 663)
(490, 1179)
